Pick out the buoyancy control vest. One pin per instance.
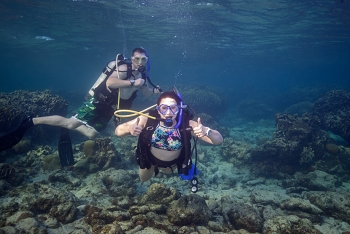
(143, 150)
(99, 90)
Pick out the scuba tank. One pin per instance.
(106, 72)
(99, 81)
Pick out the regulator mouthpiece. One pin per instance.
(168, 122)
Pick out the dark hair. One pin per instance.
(169, 95)
(140, 50)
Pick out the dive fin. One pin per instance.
(13, 137)
(65, 149)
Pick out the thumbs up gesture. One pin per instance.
(200, 129)
(135, 129)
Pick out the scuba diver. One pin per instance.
(115, 88)
(164, 137)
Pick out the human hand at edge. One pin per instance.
(157, 89)
(135, 129)
(199, 131)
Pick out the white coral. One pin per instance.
(306, 155)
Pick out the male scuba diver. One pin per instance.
(115, 88)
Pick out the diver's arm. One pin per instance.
(133, 127)
(146, 91)
(114, 83)
(199, 130)
(116, 79)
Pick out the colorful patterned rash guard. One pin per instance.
(166, 138)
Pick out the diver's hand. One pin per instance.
(135, 129)
(157, 89)
(200, 130)
(139, 82)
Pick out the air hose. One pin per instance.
(134, 113)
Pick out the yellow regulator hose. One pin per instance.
(135, 113)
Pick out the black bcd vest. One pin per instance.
(143, 151)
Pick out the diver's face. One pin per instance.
(139, 59)
(168, 108)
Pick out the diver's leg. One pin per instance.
(89, 132)
(168, 170)
(146, 174)
(59, 121)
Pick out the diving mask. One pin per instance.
(140, 60)
(163, 109)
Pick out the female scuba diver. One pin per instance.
(163, 140)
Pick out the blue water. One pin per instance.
(235, 46)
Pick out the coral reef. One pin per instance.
(243, 216)
(295, 181)
(6, 170)
(236, 152)
(21, 103)
(296, 141)
(159, 194)
(119, 183)
(335, 204)
(187, 210)
(51, 162)
(306, 155)
(109, 200)
(204, 99)
(333, 109)
(16, 106)
(22, 146)
(105, 156)
(58, 204)
(289, 224)
(344, 158)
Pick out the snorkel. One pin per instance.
(181, 107)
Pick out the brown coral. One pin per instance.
(22, 146)
(332, 148)
(89, 148)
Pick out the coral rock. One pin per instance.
(189, 209)
(244, 216)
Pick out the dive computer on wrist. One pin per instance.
(209, 131)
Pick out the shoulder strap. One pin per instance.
(143, 149)
(151, 124)
(185, 156)
(128, 70)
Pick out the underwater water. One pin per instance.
(243, 44)
(279, 52)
